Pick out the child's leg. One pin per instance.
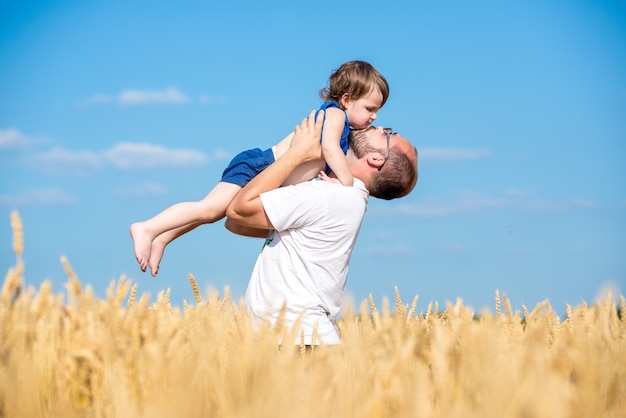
(185, 215)
(283, 145)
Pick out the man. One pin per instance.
(314, 225)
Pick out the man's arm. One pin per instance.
(245, 231)
(246, 208)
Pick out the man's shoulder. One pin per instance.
(358, 183)
(334, 190)
(339, 195)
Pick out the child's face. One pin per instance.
(362, 112)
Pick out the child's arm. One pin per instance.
(331, 150)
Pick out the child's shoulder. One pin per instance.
(335, 113)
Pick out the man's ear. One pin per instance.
(375, 160)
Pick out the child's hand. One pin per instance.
(323, 176)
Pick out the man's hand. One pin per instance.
(246, 208)
(305, 145)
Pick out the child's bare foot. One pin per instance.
(156, 255)
(142, 243)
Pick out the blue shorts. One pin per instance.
(246, 165)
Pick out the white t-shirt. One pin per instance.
(304, 262)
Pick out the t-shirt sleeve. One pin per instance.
(297, 206)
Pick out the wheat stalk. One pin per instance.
(569, 317)
(413, 306)
(372, 305)
(123, 286)
(11, 288)
(18, 234)
(398, 299)
(525, 311)
(131, 297)
(12, 285)
(507, 307)
(74, 285)
(375, 314)
(314, 334)
(302, 344)
(194, 287)
(226, 299)
(498, 311)
(280, 320)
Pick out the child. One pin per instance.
(355, 92)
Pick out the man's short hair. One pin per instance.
(397, 177)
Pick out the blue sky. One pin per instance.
(112, 111)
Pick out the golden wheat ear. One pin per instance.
(13, 281)
(194, 287)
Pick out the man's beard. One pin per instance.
(359, 143)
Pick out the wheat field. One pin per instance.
(76, 355)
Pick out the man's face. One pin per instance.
(401, 175)
(372, 139)
(362, 142)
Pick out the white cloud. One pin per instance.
(473, 202)
(145, 189)
(125, 155)
(62, 161)
(137, 97)
(170, 95)
(12, 138)
(64, 157)
(454, 154)
(144, 155)
(52, 196)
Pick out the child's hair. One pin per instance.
(357, 78)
